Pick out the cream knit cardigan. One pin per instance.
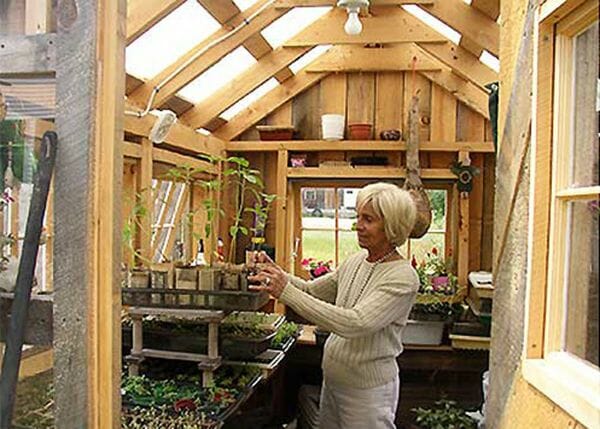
(366, 330)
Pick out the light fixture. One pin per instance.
(353, 25)
(164, 121)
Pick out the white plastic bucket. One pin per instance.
(332, 126)
(423, 333)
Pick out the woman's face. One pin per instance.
(370, 229)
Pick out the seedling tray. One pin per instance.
(194, 299)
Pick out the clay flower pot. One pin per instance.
(360, 131)
(275, 132)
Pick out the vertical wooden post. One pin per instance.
(145, 189)
(463, 233)
(90, 92)
(213, 351)
(280, 215)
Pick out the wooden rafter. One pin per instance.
(348, 58)
(490, 7)
(223, 11)
(267, 104)
(144, 14)
(462, 62)
(180, 73)
(239, 87)
(478, 30)
(383, 25)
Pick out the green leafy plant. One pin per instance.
(445, 415)
(131, 228)
(284, 333)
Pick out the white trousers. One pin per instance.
(352, 408)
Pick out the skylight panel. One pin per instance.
(203, 131)
(169, 39)
(244, 4)
(224, 71)
(249, 99)
(292, 23)
(308, 58)
(490, 60)
(433, 22)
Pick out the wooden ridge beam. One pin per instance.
(356, 145)
(180, 135)
(202, 113)
(27, 54)
(489, 7)
(144, 14)
(309, 3)
(173, 82)
(478, 30)
(349, 58)
(383, 25)
(462, 62)
(268, 103)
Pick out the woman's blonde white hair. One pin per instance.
(394, 206)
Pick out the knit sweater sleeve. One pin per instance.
(323, 288)
(378, 309)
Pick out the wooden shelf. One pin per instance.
(200, 315)
(355, 145)
(363, 173)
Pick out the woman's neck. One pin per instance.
(382, 252)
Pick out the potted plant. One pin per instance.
(445, 415)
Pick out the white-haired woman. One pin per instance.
(365, 304)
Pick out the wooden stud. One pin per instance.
(489, 7)
(147, 199)
(463, 234)
(281, 231)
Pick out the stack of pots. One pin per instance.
(332, 126)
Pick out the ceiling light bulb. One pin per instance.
(353, 25)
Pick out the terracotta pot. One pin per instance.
(273, 132)
(360, 131)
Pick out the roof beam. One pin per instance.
(478, 30)
(490, 7)
(383, 25)
(257, 45)
(308, 3)
(349, 58)
(184, 70)
(143, 14)
(268, 103)
(462, 62)
(228, 95)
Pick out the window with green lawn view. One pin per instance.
(329, 218)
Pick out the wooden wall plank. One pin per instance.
(361, 98)
(281, 116)
(147, 199)
(305, 114)
(389, 103)
(415, 83)
(333, 94)
(443, 114)
(28, 54)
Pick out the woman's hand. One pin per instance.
(272, 278)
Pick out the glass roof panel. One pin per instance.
(244, 4)
(249, 99)
(490, 60)
(169, 39)
(433, 22)
(292, 23)
(218, 75)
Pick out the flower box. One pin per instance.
(275, 132)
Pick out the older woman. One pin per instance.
(365, 305)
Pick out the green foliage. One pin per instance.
(132, 226)
(12, 141)
(437, 198)
(445, 415)
(286, 331)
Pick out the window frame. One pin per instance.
(566, 379)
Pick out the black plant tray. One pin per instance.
(194, 299)
(230, 347)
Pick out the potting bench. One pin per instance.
(207, 363)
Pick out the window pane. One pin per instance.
(319, 245)
(318, 208)
(437, 197)
(348, 245)
(581, 336)
(419, 248)
(585, 156)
